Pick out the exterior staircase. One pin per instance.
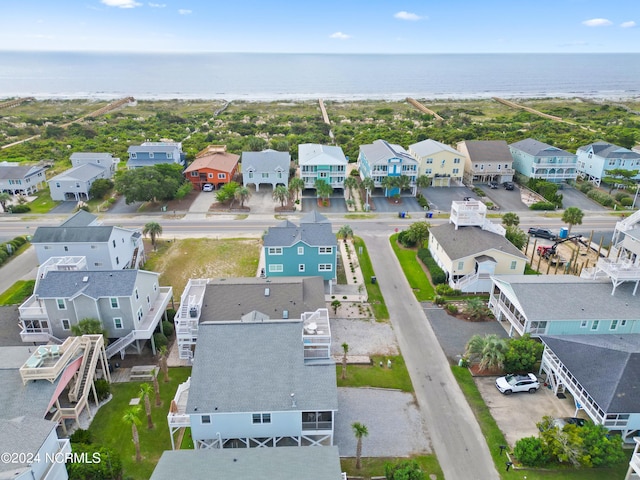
(120, 345)
(87, 371)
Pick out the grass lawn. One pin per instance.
(412, 269)
(495, 438)
(108, 428)
(17, 293)
(43, 202)
(376, 300)
(178, 261)
(374, 466)
(375, 376)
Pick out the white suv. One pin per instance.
(207, 187)
(517, 383)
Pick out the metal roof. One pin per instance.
(316, 154)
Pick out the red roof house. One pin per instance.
(213, 165)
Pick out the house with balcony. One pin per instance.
(128, 303)
(470, 248)
(261, 381)
(633, 473)
(607, 389)
(251, 463)
(238, 298)
(105, 247)
(105, 160)
(307, 249)
(597, 159)
(322, 162)
(443, 164)
(149, 154)
(20, 179)
(268, 166)
(382, 159)
(535, 159)
(486, 161)
(213, 165)
(564, 305)
(74, 184)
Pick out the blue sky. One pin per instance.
(330, 26)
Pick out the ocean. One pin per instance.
(267, 77)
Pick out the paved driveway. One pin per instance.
(382, 204)
(507, 200)
(440, 198)
(64, 207)
(575, 198)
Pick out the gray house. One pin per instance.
(105, 247)
(105, 160)
(268, 166)
(128, 303)
(486, 161)
(18, 179)
(75, 183)
(149, 154)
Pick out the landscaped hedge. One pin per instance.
(542, 206)
(19, 209)
(9, 248)
(437, 274)
(422, 201)
(405, 239)
(601, 197)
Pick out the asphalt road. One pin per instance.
(456, 436)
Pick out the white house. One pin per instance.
(148, 154)
(75, 183)
(596, 159)
(101, 159)
(19, 179)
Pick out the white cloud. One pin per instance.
(184, 11)
(407, 16)
(121, 3)
(340, 36)
(157, 5)
(598, 22)
(630, 24)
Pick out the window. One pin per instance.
(623, 323)
(194, 174)
(148, 300)
(250, 174)
(275, 250)
(150, 154)
(93, 247)
(325, 267)
(300, 250)
(114, 302)
(117, 261)
(57, 184)
(205, 419)
(97, 264)
(222, 176)
(460, 265)
(614, 325)
(66, 249)
(169, 155)
(301, 267)
(595, 324)
(456, 170)
(209, 175)
(322, 175)
(140, 314)
(514, 264)
(427, 171)
(61, 304)
(583, 324)
(456, 160)
(261, 418)
(134, 155)
(325, 250)
(155, 287)
(117, 323)
(265, 174)
(114, 243)
(276, 268)
(429, 161)
(136, 293)
(66, 325)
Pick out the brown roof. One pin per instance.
(488, 151)
(223, 162)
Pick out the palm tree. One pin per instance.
(359, 430)
(156, 389)
(350, 183)
(488, 351)
(510, 219)
(242, 194)
(145, 394)
(163, 353)
(4, 198)
(345, 232)
(323, 189)
(345, 350)
(368, 184)
(572, 216)
(296, 184)
(403, 182)
(89, 326)
(154, 230)
(281, 194)
(423, 181)
(389, 183)
(131, 417)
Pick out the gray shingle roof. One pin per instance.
(100, 233)
(488, 151)
(380, 151)
(538, 149)
(266, 161)
(254, 367)
(91, 156)
(613, 381)
(467, 241)
(148, 162)
(316, 154)
(12, 171)
(66, 284)
(567, 297)
(230, 299)
(609, 150)
(430, 147)
(286, 463)
(80, 173)
(81, 218)
(314, 230)
(24, 435)
(154, 147)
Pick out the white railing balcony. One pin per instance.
(179, 420)
(500, 310)
(620, 270)
(35, 335)
(635, 464)
(48, 361)
(146, 327)
(315, 426)
(33, 309)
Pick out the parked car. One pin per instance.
(508, 185)
(517, 383)
(542, 233)
(207, 187)
(493, 185)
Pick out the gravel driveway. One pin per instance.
(364, 337)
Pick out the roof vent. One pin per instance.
(85, 279)
(267, 291)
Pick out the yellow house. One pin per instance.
(443, 164)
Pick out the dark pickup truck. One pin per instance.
(542, 233)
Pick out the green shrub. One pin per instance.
(171, 314)
(81, 436)
(437, 274)
(626, 202)
(601, 197)
(452, 309)
(108, 468)
(530, 452)
(543, 206)
(167, 328)
(19, 241)
(620, 195)
(19, 209)
(447, 291)
(406, 239)
(478, 191)
(586, 187)
(438, 300)
(160, 339)
(103, 389)
(3, 255)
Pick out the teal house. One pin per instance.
(322, 162)
(308, 249)
(535, 159)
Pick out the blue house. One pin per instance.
(595, 159)
(322, 162)
(535, 159)
(382, 159)
(268, 166)
(309, 249)
(149, 154)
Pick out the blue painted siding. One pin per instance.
(603, 327)
(288, 263)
